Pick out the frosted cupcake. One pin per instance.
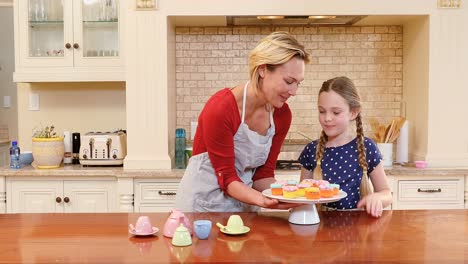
(289, 191)
(291, 183)
(326, 191)
(301, 189)
(336, 188)
(276, 189)
(312, 193)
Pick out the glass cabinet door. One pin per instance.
(97, 31)
(46, 28)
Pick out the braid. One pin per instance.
(366, 187)
(319, 155)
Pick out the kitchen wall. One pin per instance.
(211, 58)
(435, 95)
(76, 107)
(8, 116)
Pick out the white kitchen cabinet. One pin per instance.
(73, 40)
(56, 195)
(155, 195)
(428, 192)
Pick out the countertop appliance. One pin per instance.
(103, 148)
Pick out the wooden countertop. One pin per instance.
(428, 236)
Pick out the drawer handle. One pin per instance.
(167, 193)
(429, 190)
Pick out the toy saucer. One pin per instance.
(226, 231)
(135, 233)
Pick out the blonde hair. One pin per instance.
(346, 89)
(273, 50)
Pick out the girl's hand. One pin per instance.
(372, 203)
(275, 204)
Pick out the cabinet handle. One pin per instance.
(66, 199)
(58, 200)
(76, 46)
(430, 190)
(68, 45)
(167, 193)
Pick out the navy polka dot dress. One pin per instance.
(341, 165)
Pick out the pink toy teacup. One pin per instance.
(143, 226)
(174, 220)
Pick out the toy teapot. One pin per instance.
(174, 220)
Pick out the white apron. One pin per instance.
(199, 190)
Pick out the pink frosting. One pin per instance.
(289, 188)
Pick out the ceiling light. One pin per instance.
(322, 17)
(270, 17)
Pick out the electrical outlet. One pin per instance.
(34, 102)
(6, 101)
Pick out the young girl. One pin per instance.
(342, 157)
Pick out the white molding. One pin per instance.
(6, 3)
(54, 76)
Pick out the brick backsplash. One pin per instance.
(211, 58)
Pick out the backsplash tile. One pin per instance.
(211, 58)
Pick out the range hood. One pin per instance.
(291, 20)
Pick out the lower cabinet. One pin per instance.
(54, 195)
(155, 195)
(428, 192)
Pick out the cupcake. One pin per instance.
(276, 189)
(312, 193)
(336, 188)
(321, 182)
(309, 182)
(291, 182)
(301, 189)
(289, 191)
(326, 191)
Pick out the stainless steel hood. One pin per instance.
(292, 20)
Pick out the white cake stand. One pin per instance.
(305, 214)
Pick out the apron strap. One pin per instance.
(243, 101)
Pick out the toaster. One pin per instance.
(108, 148)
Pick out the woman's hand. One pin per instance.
(275, 204)
(372, 203)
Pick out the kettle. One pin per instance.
(174, 220)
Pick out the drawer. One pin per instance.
(151, 192)
(430, 194)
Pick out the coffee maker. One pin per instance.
(76, 143)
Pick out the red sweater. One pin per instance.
(218, 123)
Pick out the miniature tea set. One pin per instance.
(180, 229)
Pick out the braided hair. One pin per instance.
(346, 89)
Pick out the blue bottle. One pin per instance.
(180, 142)
(14, 155)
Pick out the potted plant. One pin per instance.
(48, 148)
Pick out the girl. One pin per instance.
(240, 132)
(343, 158)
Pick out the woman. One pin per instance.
(240, 132)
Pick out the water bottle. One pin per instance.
(180, 141)
(14, 155)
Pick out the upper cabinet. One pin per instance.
(69, 40)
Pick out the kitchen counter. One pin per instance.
(78, 170)
(436, 236)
